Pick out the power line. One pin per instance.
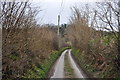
(61, 7)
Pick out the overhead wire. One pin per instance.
(61, 7)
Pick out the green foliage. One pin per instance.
(117, 78)
(106, 40)
(13, 57)
(83, 60)
(75, 51)
(89, 65)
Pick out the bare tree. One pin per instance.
(16, 20)
(109, 14)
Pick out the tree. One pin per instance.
(109, 14)
(17, 19)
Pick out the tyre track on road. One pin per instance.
(58, 71)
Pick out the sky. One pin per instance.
(51, 9)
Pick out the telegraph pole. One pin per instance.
(58, 32)
(58, 25)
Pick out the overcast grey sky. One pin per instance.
(51, 9)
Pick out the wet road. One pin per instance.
(77, 71)
(59, 66)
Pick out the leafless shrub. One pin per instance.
(109, 14)
(89, 39)
(79, 31)
(25, 43)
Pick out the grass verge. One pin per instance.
(41, 71)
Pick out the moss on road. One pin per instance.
(69, 72)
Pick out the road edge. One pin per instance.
(84, 72)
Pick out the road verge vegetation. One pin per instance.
(42, 70)
(88, 66)
(95, 49)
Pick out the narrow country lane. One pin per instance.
(78, 73)
(59, 66)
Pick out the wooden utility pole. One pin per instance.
(58, 32)
(58, 25)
